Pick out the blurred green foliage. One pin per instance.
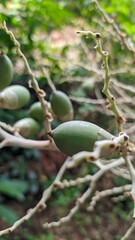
(123, 11)
(7, 214)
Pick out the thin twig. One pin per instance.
(9, 140)
(50, 83)
(80, 201)
(132, 174)
(129, 231)
(112, 105)
(108, 192)
(40, 205)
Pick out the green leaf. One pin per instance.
(14, 188)
(8, 215)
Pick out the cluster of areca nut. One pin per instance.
(70, 137)
(16, 96)
(79, 140)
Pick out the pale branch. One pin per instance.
(122, 71)
(80, 201)
(119, 198)
(102, 149)
(132, 174)
(72, 183)
(50, 83)
(34, 84)
(129, 231)
(7, 127)
(106, 148)
(10, 129)
(112, 73)
(130, 168)
(9, 140)
(120, 172)
(72, 212)
(101, 101)
(40, 205)
(128, 111)
(112, 105)
(121, 93)
(67, 218)
(72, 79)
(130, 129)
(94, 69)
(117, 145)
(76, 159)
(113, 80)
(88, 100)
(123, 86)
(47, 193)
(107, 192)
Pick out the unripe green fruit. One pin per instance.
(27, 127)
(76, 136)
(6, 71)
(36, 111)
(61, 106)
(14, 97)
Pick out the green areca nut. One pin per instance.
(14, 97)
(61, 106)
(6, 71)
(27, 127)
(76, 136)
(36, 111)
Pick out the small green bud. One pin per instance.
(61, 106)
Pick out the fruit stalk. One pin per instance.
(60, 102)
(34, 84)
(9, 140)
(104, 54)
(50, 83)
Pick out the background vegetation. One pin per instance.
(46, 31)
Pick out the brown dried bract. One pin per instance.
(98, 35)
(41, 93)
(121, 119)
